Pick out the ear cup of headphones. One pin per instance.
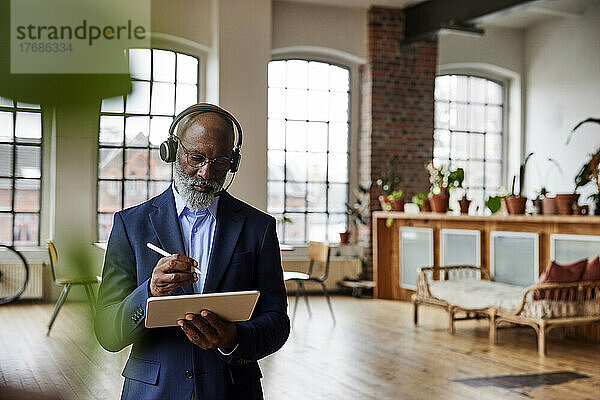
(235, 160)
(168, 150)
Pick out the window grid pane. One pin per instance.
(20, 172)
(468, 122)
(132, 127)
(308, 142)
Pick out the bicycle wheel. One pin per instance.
(14, 274)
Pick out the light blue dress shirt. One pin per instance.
(198, 231)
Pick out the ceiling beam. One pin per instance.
(426, 18)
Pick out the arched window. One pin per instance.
(130, 170)
(469, 126)
(308, 148)
(20, 172)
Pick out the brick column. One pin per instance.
(396, 108)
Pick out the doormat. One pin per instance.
(519, 381)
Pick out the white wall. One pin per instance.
(341, 29)
(499, 54)
(244, 50)
(563, 85)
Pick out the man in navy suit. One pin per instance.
(236, 248)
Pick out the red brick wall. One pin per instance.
(397, 106)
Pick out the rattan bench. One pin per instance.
(456, 312)
(466, 292)
(551, 305)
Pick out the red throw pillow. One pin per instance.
(592, 270)
(557, 273)
(564, 273)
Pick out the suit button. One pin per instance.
(189, 374)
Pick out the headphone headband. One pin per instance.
(202, 108)
(168, 149)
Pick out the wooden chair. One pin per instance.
(67, 283)
(317, 252)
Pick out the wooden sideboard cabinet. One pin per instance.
(513, 249)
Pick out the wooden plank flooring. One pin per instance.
(373, 352)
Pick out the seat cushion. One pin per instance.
(473, 294)
(288, 275)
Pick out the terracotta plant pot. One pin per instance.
(397, 204)
(439, 202)
(426, 206)
(344, 237)
(383, 201)
(549, 206)
(516, 204)
(464, 206)
(566, 202)
(583, 210)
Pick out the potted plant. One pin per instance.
(515, 203)
(543, 203)
(588, 172)
(395, 200)
(442, 181)
(422, 201)
(388, 183)
(458, 176)
(358, 212)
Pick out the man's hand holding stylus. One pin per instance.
(171, 273)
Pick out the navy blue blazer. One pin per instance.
(163, 364)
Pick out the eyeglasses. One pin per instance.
(197, 160)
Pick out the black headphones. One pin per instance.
(168, 148)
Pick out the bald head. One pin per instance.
(208, 127)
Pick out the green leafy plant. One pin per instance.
(456, 178)
(284, 220)
(443, 180)
(359, 211)
(419, 199)
(494, 203)
(521, 177)
(389, 181)
(396, 195)
(589, 170)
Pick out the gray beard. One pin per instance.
(194, 199)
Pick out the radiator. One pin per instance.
(339, 267)
(34, 288)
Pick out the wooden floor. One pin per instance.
(373, 352)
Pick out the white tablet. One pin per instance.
(229, 306)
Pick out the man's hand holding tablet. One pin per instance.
(208, 331)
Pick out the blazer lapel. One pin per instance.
(166, 227)
(230, 221)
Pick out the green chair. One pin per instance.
(67, 283)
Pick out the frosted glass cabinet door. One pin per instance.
(514, 257)
(460, 247)
(416, 251)
(569, 248)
